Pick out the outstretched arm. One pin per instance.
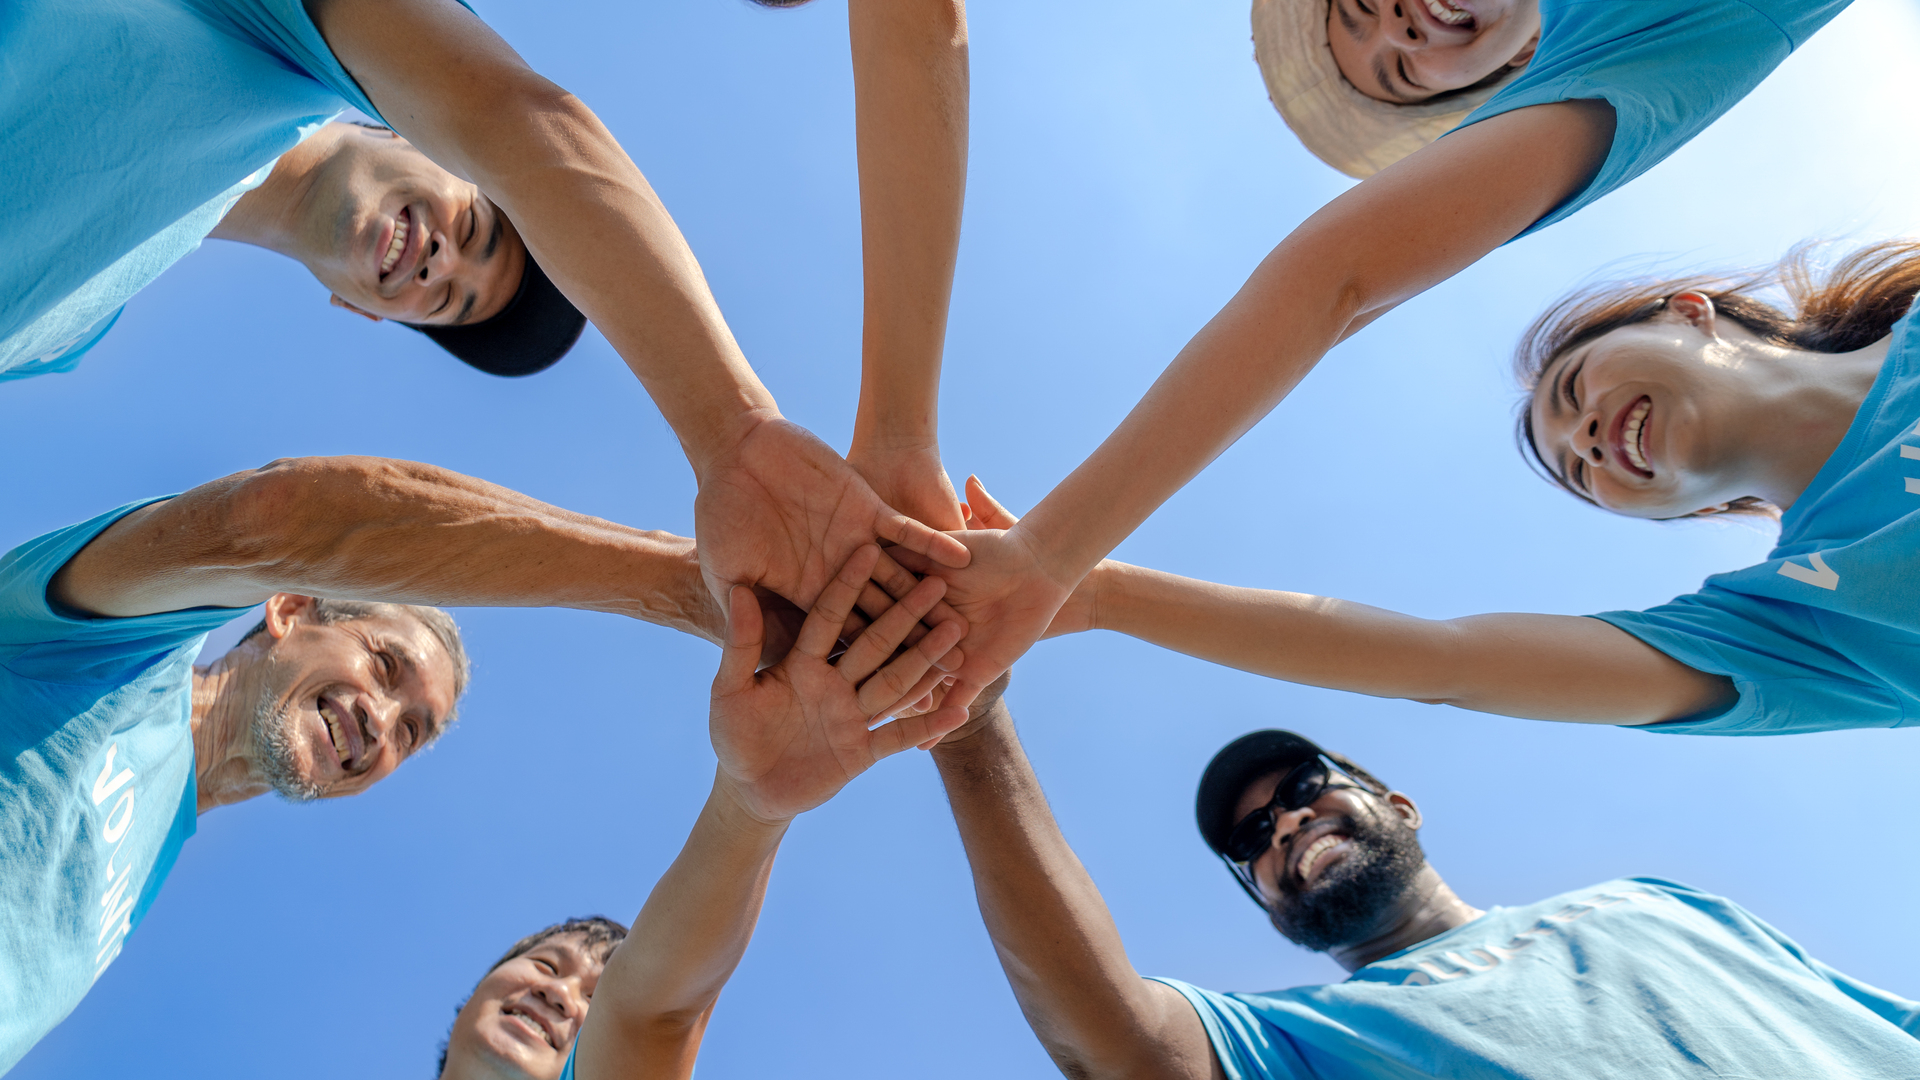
(1393, 236)
(1056, 940)
(777, 506)
(361, 528)
(910, 93)
(1541, 667)
(788, 739)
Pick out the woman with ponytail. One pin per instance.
(1662, 399)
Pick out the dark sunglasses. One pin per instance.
(1253, 835)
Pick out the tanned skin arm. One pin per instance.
(1097, 1018)
(361, 528)
(910, 92)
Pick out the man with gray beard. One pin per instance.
(112, 742)
(1632, 977)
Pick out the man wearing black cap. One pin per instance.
(1634, 977)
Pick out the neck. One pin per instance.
(1426, 909)
(270, 215)
(1813, 401)
(222, 723)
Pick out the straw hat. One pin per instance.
(1342, 126)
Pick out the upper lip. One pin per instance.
(525, 1009)
(1617, 439)
(350, 728)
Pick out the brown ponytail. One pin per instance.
(1852, 305)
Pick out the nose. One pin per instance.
(381, 713)
(1587, 439)
(442, 261)
(1402, 26)
(1285, 827)
(562, 995)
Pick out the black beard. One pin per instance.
(1346, 903)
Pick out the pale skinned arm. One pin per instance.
(361, 528)
(788, 739)
(910, 93)
(1539, 667)
(779, 508)
(1057, 942)
(1389, 238)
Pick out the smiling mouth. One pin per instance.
(1448, 14)
(1315, 853)
(1633, 436)
(402, 225)
(532, 1022)
(336, 722)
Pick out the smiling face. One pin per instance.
(1336, 865)
(522, 1019)
(341, 705)
(1647, 421)
(395, 236)
(1406, 51)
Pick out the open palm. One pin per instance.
(790, 737)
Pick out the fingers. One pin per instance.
(871, 649)
(891, 738)
(923, 538)
(896, 581)
(919, 697)
(987, 511)
(745, 632)
(830, 611)
(898, 681)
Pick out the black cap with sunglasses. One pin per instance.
(1306, 772)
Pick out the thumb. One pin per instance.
(746, 632)
(987, 510)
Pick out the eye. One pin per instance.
(388, 665)
(445, 301)
(1364, 9)
(1579, 474)
(413, 733)
(473, 225)
(1566, 385)
(547, 966)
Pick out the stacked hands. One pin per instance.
(785, 516)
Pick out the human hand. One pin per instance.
(1077, 614)
(790, 737)
(910, 479)
(780, 509)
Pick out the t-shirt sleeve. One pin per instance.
(1669, 69)
(1789, 681)
(284, 27)
(39, 642)
(1246, 1048)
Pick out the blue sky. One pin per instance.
(1127, 173)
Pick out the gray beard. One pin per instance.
(273, 734)
(1346, 904)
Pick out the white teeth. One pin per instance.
(1633, 435)
(1447, 13)
(1312, 855)
(334, 734)
(398, 245)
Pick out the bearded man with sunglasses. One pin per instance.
(1633, 977)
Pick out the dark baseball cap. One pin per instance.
(530, 334)
(1238, 764)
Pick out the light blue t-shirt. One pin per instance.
(1636, 978)
(1668, 67)
(131, 126)
(96, 780)
(1825, 634)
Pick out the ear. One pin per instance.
(285, 611)
(339, 303)
(1695, 308)
(1405, 807)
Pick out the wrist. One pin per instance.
(723, 435)
(734, 808)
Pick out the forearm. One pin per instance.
(1056, 940)
(910, 92)
(654, 998)
(1545, 667)
(1378, 244)
(460, 93)
(377, 529)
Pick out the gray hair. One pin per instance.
(438, 623)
